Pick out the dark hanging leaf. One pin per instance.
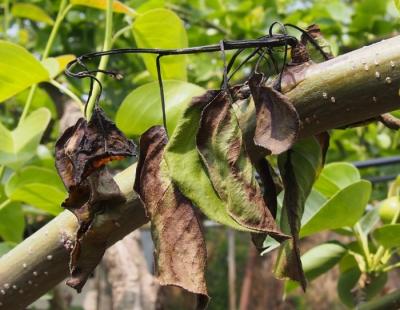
(221, 146)
(299, 167)
(277, 122)
(180, 250)
(87, 146)
(81, 155)
(96, 193)
(186, 167)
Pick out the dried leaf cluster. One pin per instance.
(216, 163)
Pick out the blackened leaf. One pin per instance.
(323, 140)
(180, 250)
(277, 122)
(96, 193)
(299, 167)
(222, 149)
(186, 167)
(88, 146)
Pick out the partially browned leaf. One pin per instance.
(96, 193)
(293, 200)
(277, 122)
(81, 155)
(180, 251)
(299, 168)
(222, 149)
(88, 146)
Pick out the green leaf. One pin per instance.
(388, 235)
(18, 70)
(118, 6)
(347, 281)
(162, 28)
(38, 187)
(19, 145)
(141, 109)
(32, 12)
(319, 260)
(56, 65)
(344, 209)
(186, 168)
(336, 176)
(12, 222)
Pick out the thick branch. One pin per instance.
(40, 262)
(348, 89)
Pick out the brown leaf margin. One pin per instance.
(180, 250)
(277, 121)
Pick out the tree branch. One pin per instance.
(348, 89)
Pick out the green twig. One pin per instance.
(62, 12)
(362, 240)
(120, 33)
(103, 61)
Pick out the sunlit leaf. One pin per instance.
(336, 176)
(56, 65)
(162, 28)
(344, 209)
(32, 12)
(118, 6)
(141, 109)
(19, 145)
(38, 187)
(18, 70)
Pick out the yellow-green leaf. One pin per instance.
(19, 145)
(56, 65)
(118, 7)
(32, 12)
(162, 28)
(18, 70)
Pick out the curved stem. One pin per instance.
(62, 12)
(103, 61)
(120, 33)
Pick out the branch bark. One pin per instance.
(349, 89)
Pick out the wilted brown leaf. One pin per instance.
(82, 152)
(180, 251)
(87, 146)
(277, 121)
(96, 193)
